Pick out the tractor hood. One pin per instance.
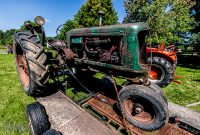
(119, 29)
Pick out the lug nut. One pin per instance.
(138, 110)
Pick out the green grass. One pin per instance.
(13, 100)
(188, 91)
(196, 108)
(75, 95)
(3, 50)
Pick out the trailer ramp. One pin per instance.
(70, 119)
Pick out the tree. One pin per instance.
(6, 38)
(196, 13)
(169, 20)
(195, 41)
(195, 38)
(70, 24)
(88, 16)
(1, 37)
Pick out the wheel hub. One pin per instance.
(156, 73)
(138, 111)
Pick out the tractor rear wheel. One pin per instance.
(161, 72)
(51, 132)
(143, 107)
(31, 63)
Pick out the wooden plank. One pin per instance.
(70, 119)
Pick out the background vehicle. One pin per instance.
(163, 62)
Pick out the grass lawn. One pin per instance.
(13, 100)
(3, 51)
(188, 91)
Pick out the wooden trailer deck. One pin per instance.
(70, 119)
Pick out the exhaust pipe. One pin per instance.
(101, 13)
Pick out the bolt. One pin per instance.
(138, 110)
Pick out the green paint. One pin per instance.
(129, 34)
(77, 40)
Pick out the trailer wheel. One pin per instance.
(157, 89)
(143, 107)
(38, 119)
(31, 63)
(161, 72)
(51, 132)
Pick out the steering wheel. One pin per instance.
(59, 29)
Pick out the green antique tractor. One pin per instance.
(116, 50)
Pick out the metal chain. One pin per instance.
(124, 120)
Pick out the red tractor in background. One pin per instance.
(163, 64)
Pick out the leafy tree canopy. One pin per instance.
(70, 24)
(6, 38)
(169, 20)
(88, 15)
(195, 40)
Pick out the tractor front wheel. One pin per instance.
(143, 107)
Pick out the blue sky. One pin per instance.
(13, 13)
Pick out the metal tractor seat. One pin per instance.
(56, 44)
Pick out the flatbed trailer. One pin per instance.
(71, 119)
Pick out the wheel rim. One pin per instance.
(140, 110)
(157, 73)
(22, 68)
(31, 126)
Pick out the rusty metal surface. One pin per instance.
(66, 54)
(70, 119)
(22, 69)
(108, 111)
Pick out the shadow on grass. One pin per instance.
(94, 85)
(196, 80)
(189, 61)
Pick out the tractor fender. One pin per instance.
(169, 56)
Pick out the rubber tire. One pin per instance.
(51, 132)
(159, 105)
(167, 68)
(37, 118)
(157, 89)
(36, 60)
